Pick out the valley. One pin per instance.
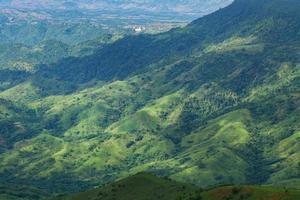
(112, 16)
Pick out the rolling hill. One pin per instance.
(215, 102)
(33, 27)
(140, 186)
(145, 187)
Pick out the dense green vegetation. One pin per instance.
(146, 186)
(216, 102)
(21, 192)
(140, 186)
(19, 61)
(34, 32)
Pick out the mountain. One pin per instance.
(146, 186)
(147, 49)
(139, 186)
(215, 102)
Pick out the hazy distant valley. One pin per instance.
(153, 16)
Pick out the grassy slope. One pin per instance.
(140, 186)
(147, 187)
(250, 193)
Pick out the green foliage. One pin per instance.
(21, 192)
(32, 32)
(145, 186)
(216, 102)
(140, 186)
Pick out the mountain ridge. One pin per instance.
(189, 39)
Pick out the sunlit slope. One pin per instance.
(92, 138)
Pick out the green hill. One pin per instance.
(19, 61)
(17, 123)
(17, 27)
(141, 186)
(216, 102)
(21, 192)
(147, 187)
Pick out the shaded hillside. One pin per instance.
(17, 123)
(141, 186)
(18, 61)
(148, 187)
(21, 192)
(267, 22)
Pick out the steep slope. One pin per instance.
(215, 102)
(261, 23)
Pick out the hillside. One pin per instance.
(145, 187)
(30, 30)
(216, 102)
(21, 192)
(141, 187)
(19, 61)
